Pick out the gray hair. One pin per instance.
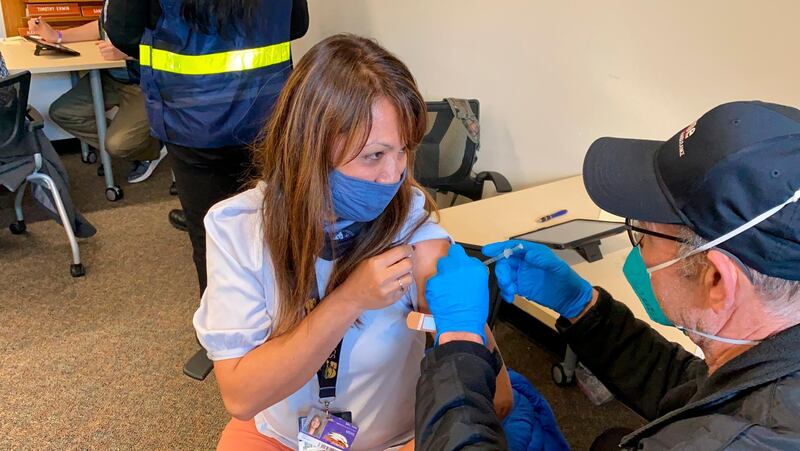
(780, 296)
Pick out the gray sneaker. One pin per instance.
(142, 170)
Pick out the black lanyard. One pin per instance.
(328, 373)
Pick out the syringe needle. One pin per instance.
(506, 253)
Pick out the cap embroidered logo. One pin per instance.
(687, 133)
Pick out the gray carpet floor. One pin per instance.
(95, 362)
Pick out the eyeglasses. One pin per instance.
(636, 234)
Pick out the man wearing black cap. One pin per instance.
(714, 220)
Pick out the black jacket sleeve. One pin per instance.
(299, 24)
(454, 407)
(126, 20)
(643, 369)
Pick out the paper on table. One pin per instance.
(606, 216)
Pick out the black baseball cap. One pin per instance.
(737, 161)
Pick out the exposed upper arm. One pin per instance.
(426, 255)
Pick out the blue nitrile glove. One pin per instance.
(539, 275)
(458, 295)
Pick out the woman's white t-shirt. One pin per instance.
(379, 361)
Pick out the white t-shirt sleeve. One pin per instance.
(429, 230)
(235, 313)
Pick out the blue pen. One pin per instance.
(552, 215)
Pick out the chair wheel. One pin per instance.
(173, 189)
(101, 171)
(91, 157)
(560, 376)
(77, 270)
(114, 193)
(18, 228)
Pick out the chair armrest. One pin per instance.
(35, 118)
(500, 182)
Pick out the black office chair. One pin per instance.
(446, 156)
(21, 162)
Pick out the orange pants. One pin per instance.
(241, 435)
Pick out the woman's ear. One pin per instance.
(720, 280)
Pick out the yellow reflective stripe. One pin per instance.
(144, 55)
(214, 63)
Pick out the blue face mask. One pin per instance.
(360, 200)
(638, 274)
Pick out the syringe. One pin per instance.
(506, 253)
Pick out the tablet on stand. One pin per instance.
(44, 45)
(581, 235)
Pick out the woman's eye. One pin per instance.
(374, 156)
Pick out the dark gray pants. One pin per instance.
(128, 135)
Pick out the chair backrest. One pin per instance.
(494, 291)
(13, 105)
(445, 154)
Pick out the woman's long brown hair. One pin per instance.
(321, 120)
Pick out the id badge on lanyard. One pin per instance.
(324, 432)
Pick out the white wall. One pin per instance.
(45, 89)
(552, 76)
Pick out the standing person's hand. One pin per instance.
(539, 275)
(43, 29)
(109, 52)
(458, 295)
(380, 281)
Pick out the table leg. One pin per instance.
(86, 156)
(564, 373)
(113, 192)
(570, 363)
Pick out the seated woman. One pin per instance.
(335, 215)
